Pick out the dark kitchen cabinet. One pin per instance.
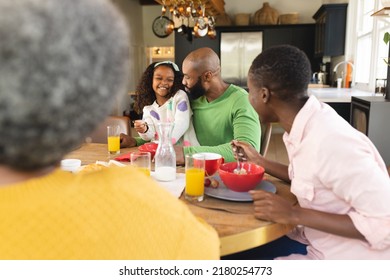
(330, 30)
(299, 35)
(184, 45)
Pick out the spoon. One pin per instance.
(236, 149)
(237, 170)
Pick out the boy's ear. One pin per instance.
(265, 94)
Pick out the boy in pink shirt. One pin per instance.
(338, 176)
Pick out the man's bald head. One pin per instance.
(202, 60)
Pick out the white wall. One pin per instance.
(305, 8)
(140, 20)
(149, 13)
(334, 1)
(133, 15)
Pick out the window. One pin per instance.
(370, 50)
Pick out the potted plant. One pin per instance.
(386, 39)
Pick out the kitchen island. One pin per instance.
(339, 98)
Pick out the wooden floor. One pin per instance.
(277, 150)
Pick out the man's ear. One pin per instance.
(208, 75)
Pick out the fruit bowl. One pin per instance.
(241, 182)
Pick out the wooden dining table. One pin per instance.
(234, 221)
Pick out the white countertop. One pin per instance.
(339, 95)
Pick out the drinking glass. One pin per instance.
(141, 160)
(113, 139)
(194, 167)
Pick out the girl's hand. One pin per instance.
(140, 126)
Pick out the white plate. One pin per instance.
(223, 192)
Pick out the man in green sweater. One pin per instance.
(221, 112)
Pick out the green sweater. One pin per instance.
(229, 117)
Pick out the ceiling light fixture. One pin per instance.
(195, 18)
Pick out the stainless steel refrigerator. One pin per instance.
(238, 49)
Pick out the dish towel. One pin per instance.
(124, 157)
(175, 187)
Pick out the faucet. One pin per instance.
(314, 78)
(342, 73)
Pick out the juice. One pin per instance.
(194, 182)
(144, 170)
(141, 160)
(113, 144)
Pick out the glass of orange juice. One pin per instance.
(113, 139)
(141, 160)
(194, 166)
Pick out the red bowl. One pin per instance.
(150, 147)
(241, 182)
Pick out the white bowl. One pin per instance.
(70, 164)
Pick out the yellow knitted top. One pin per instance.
(116, 213)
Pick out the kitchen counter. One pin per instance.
(318, 86)
(338, 98)
(337, 95)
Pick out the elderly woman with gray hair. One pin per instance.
(61, 65)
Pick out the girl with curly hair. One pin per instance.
(160, 97)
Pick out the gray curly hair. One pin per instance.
(61, 65)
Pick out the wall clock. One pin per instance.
(162, 26)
